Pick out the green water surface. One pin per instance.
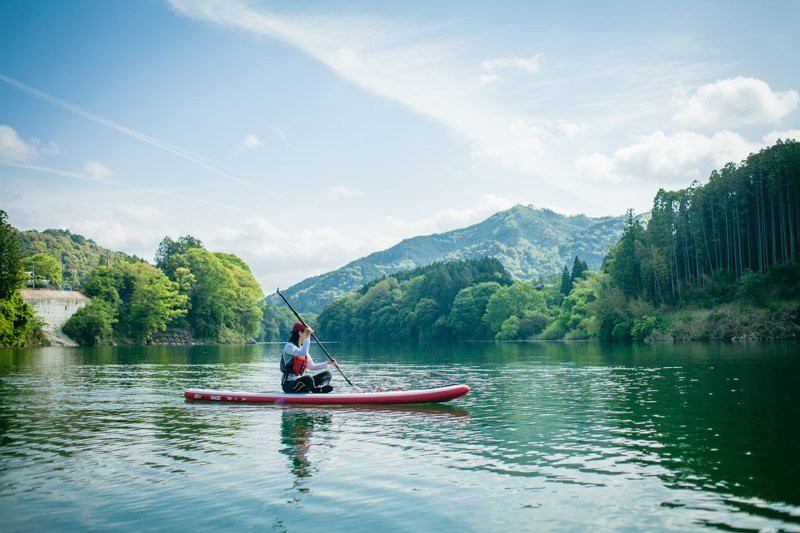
(553, 436)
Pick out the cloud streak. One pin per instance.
(530, 64)
(427, 76)
(58, 172)
(341, 192)
(100, 174)
(175, 150)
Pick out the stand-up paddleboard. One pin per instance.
(435, 395)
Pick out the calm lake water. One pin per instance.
(553, 436)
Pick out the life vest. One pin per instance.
(296, 364)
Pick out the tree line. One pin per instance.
(472, 299)
(66, 258)
(745, 220)
(213, 294)
(732, 240)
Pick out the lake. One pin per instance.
(553, 436)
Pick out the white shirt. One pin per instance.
(291, 349)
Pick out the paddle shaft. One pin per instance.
(315, 338)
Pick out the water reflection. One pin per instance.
(297, 435)
(665, 436)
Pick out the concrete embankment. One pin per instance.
(55, 308)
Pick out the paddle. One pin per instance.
(316, 339)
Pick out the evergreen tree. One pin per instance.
(168, 249)
(566, 281)
(578, 268)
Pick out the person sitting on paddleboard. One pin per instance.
(295, 360)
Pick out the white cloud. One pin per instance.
(137, 229)
(523, 149)
(98, 171)
(264, 240)
(486, 79)
(250, 142)
(284, 256)
(14, 149)
(572, 129)
(449, 219)
(340, 192)
(143, 215)
(670, 158)
(773, 136)
(733, 102)
(530, 64)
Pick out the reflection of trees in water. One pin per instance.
(723, 424)
(297, 428)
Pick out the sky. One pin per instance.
(303, 135)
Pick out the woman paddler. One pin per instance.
(295, 360)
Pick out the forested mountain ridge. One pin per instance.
(716, 261)
(78, 255)
(529, 242)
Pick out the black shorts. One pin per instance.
(308, 383)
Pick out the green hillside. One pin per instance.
(529, 242)
(77, 254)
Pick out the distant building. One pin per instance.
(54, 307)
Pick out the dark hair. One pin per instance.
(295, 338)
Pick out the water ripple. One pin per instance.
(104, 440)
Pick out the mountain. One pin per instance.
(529, 242)
(77, 254)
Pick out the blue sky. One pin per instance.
(302, 135)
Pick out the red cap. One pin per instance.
(298, 326)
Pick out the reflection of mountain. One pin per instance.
(297, 429)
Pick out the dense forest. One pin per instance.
(423, 303)
(207, 296)
(714, 261)
(730, 244)
(76, 255)
(211, 294)
(745, 220)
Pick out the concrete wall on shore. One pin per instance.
(54, 307)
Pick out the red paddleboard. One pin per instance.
(435, 395)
